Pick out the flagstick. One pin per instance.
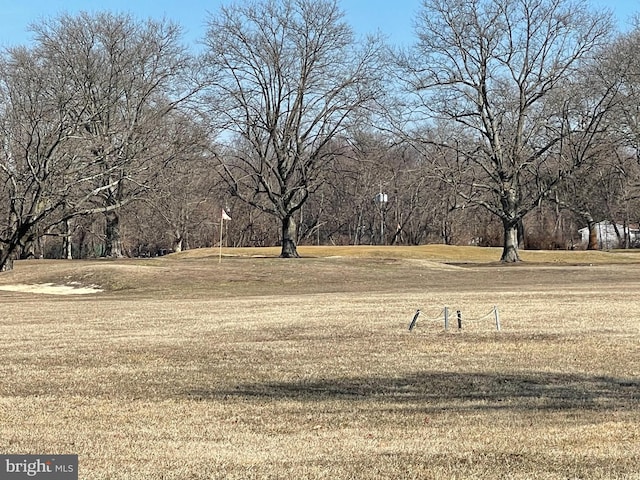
(221, 224)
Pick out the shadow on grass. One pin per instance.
(469, 390)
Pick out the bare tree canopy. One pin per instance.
(39, 168)
(287, 79)
(128, 75)
(501, 72)
(82, 112)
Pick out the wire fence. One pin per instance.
(444, 316)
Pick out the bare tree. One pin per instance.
(128, 75)
(501, 72)
(346, 211)
(606, 184)
(182, 194)
(39, 169)
(288, 78)
(623, 62)
(418, 205)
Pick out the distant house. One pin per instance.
(608, 237)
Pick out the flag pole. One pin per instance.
(221, 225)
(223, 216)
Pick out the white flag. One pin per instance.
(225, 216)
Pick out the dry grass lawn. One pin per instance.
(263, 368)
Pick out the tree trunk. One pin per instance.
(593, 236)
(510, 244)
(67, 248)
(511, 223)
(6, 260)
(619, 236)
(81, 238)
(28, 251)
(627, 235)
(11, 250)
(67, 244)
(289, 243)
(113, 243)
(521, 236)
(178, 242)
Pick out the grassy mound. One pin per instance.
(259, 271)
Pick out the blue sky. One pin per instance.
(393, 18)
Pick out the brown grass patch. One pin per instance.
(269, 368)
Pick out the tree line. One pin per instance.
(508, 122)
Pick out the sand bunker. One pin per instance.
(51, 289)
